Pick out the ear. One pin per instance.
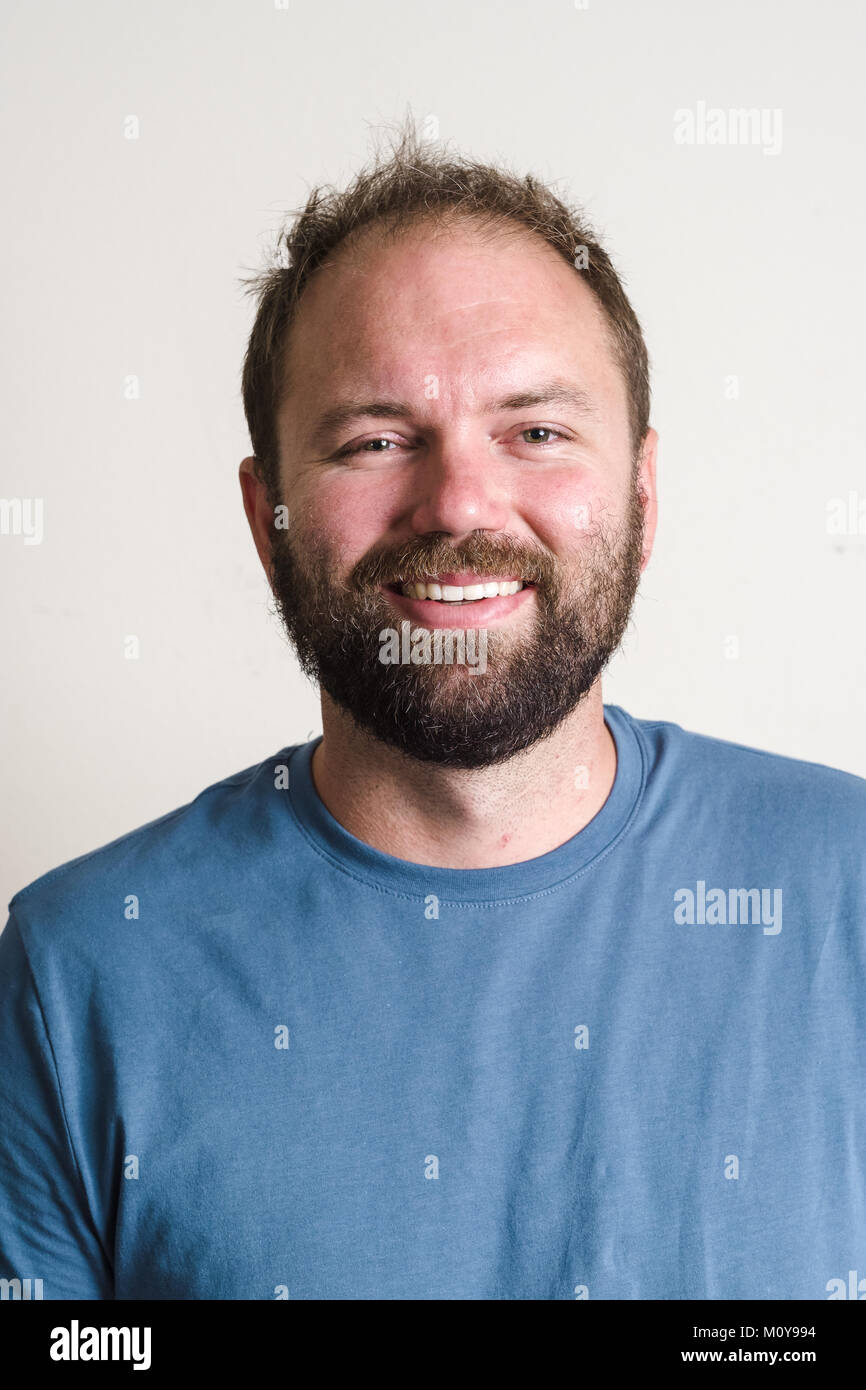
(649, 499)
(260, 513)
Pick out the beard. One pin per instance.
(443, 713)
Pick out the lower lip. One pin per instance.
(481, 612)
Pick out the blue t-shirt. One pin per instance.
(244, 1055)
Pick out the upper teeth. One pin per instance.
(457, 593)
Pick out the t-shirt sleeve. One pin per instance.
(47, 1233)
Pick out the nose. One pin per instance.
(459, 491)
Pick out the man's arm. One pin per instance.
(47, 1233)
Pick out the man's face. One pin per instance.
(450, 471)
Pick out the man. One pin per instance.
(494, 991)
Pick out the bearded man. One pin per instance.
(493, 991)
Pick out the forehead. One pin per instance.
(472, 306)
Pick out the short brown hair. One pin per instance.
(420, 181)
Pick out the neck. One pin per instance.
(458, 818)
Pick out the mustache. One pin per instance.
(479, 553)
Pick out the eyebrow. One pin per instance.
(554, 392)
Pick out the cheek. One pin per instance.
(562, 508)
(347, 516)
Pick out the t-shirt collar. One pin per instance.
(524, 879)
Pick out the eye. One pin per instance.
(381, 444)
(365, 447)
(541, 429)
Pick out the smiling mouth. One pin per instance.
(436, 592)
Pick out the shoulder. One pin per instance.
(188, 843)
(771, 786)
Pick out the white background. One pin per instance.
(122, 257)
